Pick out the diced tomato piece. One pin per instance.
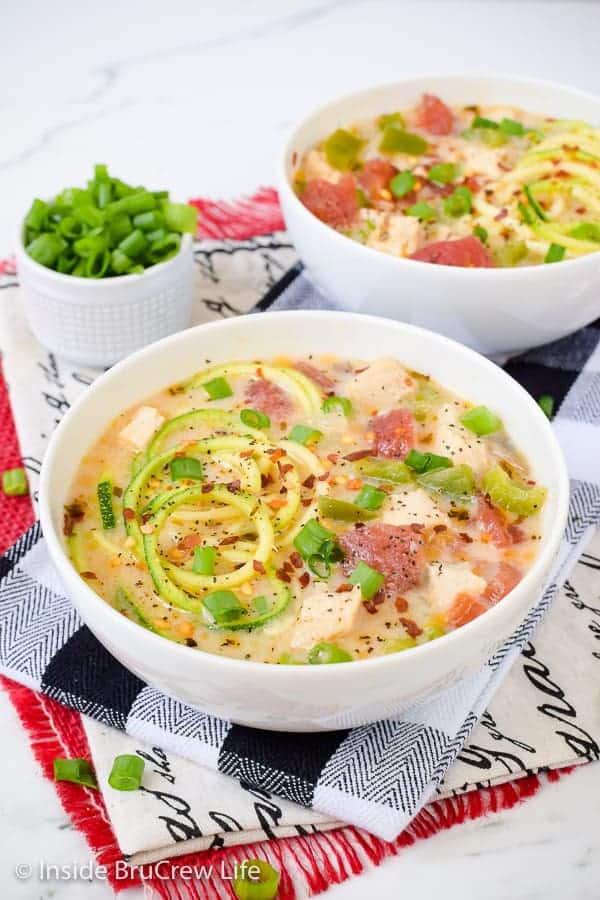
(375, 177)
(397, 551)
(506, 578)
(467, 252)
(268, 397)
(465, 608)
(394, 433)
(320, 377)
(334, 204)
(434, 116)
(492, 522)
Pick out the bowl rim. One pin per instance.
(65, 278)
(443, 271)
(538, 571)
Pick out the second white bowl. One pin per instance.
(492, 310)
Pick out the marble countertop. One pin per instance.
(196, 97)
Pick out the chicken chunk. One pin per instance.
(140, 429)
(325, 615)
(381, 386)
(445, 581)
(392, 232)
(461, 445)
(413, 507)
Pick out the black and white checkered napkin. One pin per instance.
(377, 776)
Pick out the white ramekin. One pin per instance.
(492, 310)
(302, 698)
(98, 321)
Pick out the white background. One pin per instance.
(195, 97)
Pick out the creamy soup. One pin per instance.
(459, 185)
(304, 511)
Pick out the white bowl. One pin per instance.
(492, 310)
(301, 698)
(97, 321)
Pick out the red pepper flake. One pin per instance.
(228, 540)
(146, 517)
(309, 482)
(296, 560)
(411, 627)
(266, 480)
(258, 567)
(358, 454)
(285, 468)
(246, 454)
(306, 502)
(276, 454)
(333, 457)
(501, 215)
(234, 486)
(439, 528)
(358, 371)
(283, 575)
(129, 513)
(288, 567)
(370, 606)
(90, 575)
(304, 580)
(259, 372)
(206, 488)
(324, 476)
(401, 604)
(465, 537)
(117, 491)
(344, 588)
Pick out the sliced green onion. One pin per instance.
(443, 173)
(370, 497)
(481, 420)
(342, 149)
(186, 467)
(332, 403)
(480, 232)
(120, 262)
(104, 492)
(37, 216)
(91, 244)
(320, 567)
(72, 228)
(421, 210)
(138, 202)
(493, 137)
(163, 248)
(305, 434)
(482, 122)
(311, 537)
(66, 262)
(555, 253)
(159, 234)
(204, 560)
(459, 203)
(332, 508)
(148, 221)
(218, 389)
(402, 183)
(395, 119)
(534, 204)
(587, 231)
(426, 462)
(397, 645)
(546, 404)
(14, 483)
(331, 551)
(45, 249)
(512, 127)
(369, 580)
(126, 773)
(397, 140)
(180, 217)
(103, 194)
(96, 265)
(384, 469)
(261, 605)
(255, 879)
(77, 771)
(223, 606)
(325, 654)
(134, 244)
(255, 418)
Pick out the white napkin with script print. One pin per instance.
(546, 713)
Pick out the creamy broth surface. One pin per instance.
(304, 511)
